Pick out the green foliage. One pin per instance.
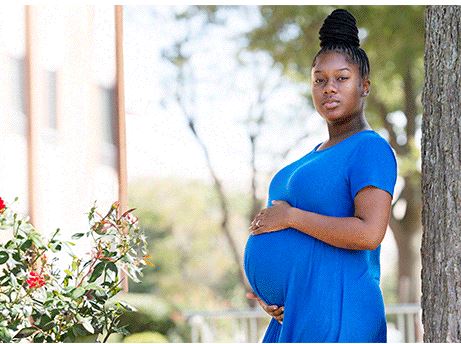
(153, 313)
(40, 302)
(136, 322)
(394, 43)
(194, 267)
(146, 337)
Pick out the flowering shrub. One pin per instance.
(35, 280)
(41, 302)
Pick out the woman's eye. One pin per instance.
(343, 78)
(318, 81)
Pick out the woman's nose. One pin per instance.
(330, 87)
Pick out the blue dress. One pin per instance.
(330, 294)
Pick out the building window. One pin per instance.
(109, 124)
(109, 114)
(51, 99)
(16, 109)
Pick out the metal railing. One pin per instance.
(403, 320)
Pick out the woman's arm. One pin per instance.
(364, 231)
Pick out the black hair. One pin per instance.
(339, 33)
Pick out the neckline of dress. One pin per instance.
(323, 150)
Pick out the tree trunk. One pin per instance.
(441, 176)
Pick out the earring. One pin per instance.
(364, 94)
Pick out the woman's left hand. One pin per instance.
(271, 219)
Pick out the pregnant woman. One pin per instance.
(315, 250)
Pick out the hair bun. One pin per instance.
(339, 28)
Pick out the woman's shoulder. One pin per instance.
(371, 138)
(371, 143)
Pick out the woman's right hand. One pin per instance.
(273, 310)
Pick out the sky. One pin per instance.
(159, 142)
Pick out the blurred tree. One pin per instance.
(441, 178)
(192, 270)
(185, 97)
(393, 37)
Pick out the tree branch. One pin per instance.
(383, 112)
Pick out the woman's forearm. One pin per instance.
(344, 232)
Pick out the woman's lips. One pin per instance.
(331, 104)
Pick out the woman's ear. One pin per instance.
(365, 87)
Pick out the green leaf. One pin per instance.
(13, 280)
(75, 264)
(92, 211)
(25, 332)
(39, 338)
(66, 281)
(112, 267)
(5, 336)
(17, 257)
(47, 303)
(77, 235)
(76, 293)
(126, 306)
(55, 246)
(48, 326)
(68, 337)
(3, 257)
(54, 313)
(98, 270)
(78, 331)
(94, 286)
(36, 239)
(87, 325)
(122, 330)
(26, 244)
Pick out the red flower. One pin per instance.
(35, 280)
(2, 206)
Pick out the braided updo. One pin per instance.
(339, 33)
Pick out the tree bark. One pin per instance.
(441, 176)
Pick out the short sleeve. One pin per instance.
(373, 163)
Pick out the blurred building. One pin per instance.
(59, 120)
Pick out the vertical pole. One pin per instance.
(410, 326)
(30, 114)
(121, 142)
(401, 325)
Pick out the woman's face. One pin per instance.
(338, 91)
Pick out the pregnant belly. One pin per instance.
(271, 258)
